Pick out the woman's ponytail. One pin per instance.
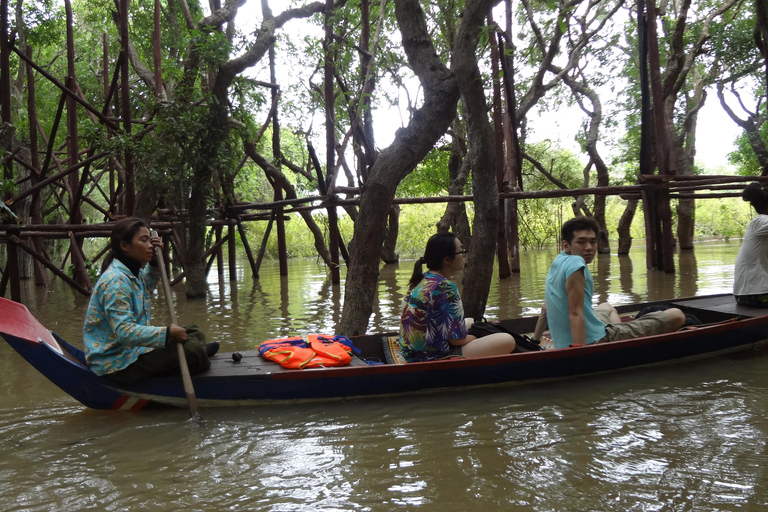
(418, 272)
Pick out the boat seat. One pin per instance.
(724, 305)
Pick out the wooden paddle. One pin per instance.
(185, 376)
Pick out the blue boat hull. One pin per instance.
(254, 381)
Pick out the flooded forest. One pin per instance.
(222, 123)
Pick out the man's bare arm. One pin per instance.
(574, 288)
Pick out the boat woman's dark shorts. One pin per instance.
(755, 301)
(649, 324)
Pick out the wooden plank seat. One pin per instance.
(222, 364)
(721, 305)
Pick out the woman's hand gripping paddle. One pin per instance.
(185, 376)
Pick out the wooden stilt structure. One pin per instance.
(64, 182)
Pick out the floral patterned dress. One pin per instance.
(432, 314)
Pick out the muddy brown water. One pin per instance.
(689, 436)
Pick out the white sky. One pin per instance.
(715, 133)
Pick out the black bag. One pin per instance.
(523, 343)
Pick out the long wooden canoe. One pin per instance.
(727, 327)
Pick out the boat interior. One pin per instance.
(382, 348)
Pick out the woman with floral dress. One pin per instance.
(432, 324)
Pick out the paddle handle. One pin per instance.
(185, 375)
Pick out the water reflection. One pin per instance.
(659, 438)
(602, 278)
(626, 281)
(689, 273)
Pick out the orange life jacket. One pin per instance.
(330, 352)
(312, 351)
(288, 352)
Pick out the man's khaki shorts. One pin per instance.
(647, 325)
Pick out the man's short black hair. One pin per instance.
(578, 224)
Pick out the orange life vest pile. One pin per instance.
(311, 351)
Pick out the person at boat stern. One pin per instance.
(750, 276)
(119, 341)
(432, 323)
(568, 293)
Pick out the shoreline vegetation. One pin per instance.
(715, 219)
(540, 222)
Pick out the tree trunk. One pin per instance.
(281, 182)
(388, 254)
(686, 208)
(411, 144)
(455, 216)
(215, 137)
(623, 229)
(479, 270)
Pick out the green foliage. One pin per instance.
(722, 218)
(744, 158)
(44, 22)
(212, 46)
(430, 178)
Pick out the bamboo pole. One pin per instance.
(185, 376)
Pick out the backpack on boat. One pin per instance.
(311, 351)
(523, 343)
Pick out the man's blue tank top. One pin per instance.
(557, 301)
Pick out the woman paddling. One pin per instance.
(432, 325)
(119, 341)
(750, 278)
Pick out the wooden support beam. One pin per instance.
(211, 251)
(53, 268)
(247, 246)
(66, 90)
(78, 259)
(55, 177)
(263, 247)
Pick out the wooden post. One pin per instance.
(125, 110)
(78, 260)
(56, 270)
(330, 140)
(232, 253)
(664, 147)
(72, 140)
(12, 268)
(36, 210)
(219, 253)
(256, 266)
(498, 139)
(247, 246)
(158, 58)
(282, 248)
(107, 110)
(5, 66)
(513, 155)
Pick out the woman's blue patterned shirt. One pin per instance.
(117, 330)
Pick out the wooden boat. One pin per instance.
(727, 327)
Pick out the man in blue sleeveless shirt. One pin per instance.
(568, 308)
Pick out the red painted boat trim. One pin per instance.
(564, 353)
(120, 402)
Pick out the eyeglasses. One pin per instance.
(463, 251)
